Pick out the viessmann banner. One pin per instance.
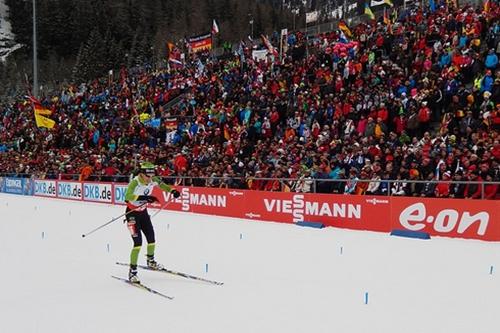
(475, 219)
(478, 219)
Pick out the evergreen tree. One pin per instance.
(93, 36)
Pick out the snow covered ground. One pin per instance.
(7, 43)
(278, 277)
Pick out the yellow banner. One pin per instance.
(42, 121)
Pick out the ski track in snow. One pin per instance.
(277, 277)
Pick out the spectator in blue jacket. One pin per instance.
(445, 60)
(487, 82)
(491, 61)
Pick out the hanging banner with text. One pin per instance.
(200, 43)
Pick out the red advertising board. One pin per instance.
(457, 218)
(477, 219)
(352, 212)
(211, 201)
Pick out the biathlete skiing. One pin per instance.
(138, 195)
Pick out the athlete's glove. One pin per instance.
(148, 198)
(175, 193)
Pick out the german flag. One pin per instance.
(42, 121)
(487, 6)
(387, 21)
(40, 111)
(345, 29)
(38, 108)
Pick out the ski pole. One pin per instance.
(113, 220)
(163, 207)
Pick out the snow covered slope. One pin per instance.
(278, 277)
(7, 40)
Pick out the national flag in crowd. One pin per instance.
(342, 38)
(175, 61)
(227, 136)
(174, 55)
(170, 47)
(40, 111)
(345, 29)
(387, 21)
(42, 121)
(200, 43)
(368, 11)
(394, 16)
(487, 6)
(215, 28)
(376, 3)
(171, 123)
(269, 46)
(38, 108)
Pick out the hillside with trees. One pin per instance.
(83, 39)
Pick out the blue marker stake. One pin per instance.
(206, 268)
(366, 298)
(491, 270)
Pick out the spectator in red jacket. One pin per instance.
(490, 190)
(443, 187)
(474, 190)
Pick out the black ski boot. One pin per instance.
(132, 275)
(153, 264)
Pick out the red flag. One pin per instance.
(215, 28)
(269, 46)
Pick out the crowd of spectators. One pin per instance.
(416, 99)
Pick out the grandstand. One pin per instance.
(401, 106)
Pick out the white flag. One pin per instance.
(374, 3)
(312, 16)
